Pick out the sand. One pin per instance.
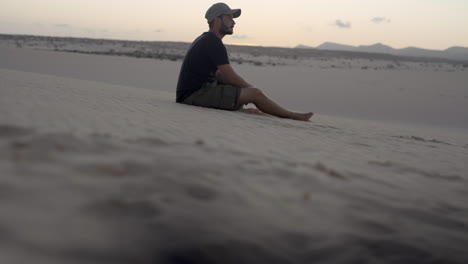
(420, 95)
(94, 171)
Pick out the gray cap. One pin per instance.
(221, 9)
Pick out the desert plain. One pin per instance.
(98, 164)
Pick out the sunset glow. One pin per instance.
(432, 24)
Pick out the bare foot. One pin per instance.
(302, 116)
(251, 111)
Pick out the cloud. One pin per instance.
(158, 30)
(378, 20)
(342, 24)
(240, 36)
(63, 25)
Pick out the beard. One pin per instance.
(225, 30)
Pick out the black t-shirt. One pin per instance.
(200, 64)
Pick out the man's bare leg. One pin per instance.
(265, 104)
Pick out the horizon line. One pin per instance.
(232, 44)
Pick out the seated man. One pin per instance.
(207, 79)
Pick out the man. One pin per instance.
(207, 79)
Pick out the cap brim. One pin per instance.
(234, 12)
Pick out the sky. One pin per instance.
(431, 24)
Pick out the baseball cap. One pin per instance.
(221, 9)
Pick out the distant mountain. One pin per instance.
(336, 46)
(457, 52)
(300, 46)
(453, 53)
(418, 52)
(376, 48)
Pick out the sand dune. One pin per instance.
(417, 96)
(93, 172)
(99, 165)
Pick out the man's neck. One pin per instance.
(216, 32)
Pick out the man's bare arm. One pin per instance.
(227, 75)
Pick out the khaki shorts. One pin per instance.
(215, 95)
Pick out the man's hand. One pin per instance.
(227, 75)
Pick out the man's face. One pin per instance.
(227, 25)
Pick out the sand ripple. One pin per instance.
(87, 199)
